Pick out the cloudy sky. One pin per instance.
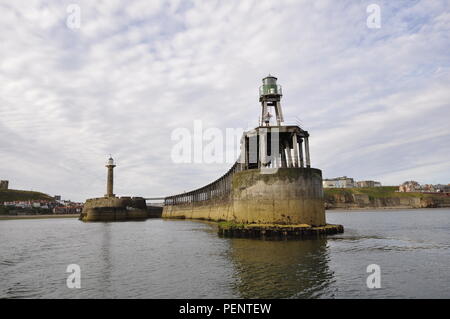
(376, 101)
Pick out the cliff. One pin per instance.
(381, 197)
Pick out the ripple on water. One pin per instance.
(185, 259)
(375, 243)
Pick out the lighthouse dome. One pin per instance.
(110, 161)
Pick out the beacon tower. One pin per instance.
(271, 183)
(274, 145)
(270, 96)
(110, 179)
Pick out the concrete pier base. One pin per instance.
(284, 196)
(277, 231)
(114, 209)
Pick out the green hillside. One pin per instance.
(9, 195)
(372, 192)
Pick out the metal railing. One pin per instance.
(217, 189)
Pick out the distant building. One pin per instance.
(413, 186)
(368, 184)
(4, 184)
(428, 188)
(440, 188)
(42, 206)
(57, 197)
(347, 182)
(67, 209)
(338, 182)
(409, 186)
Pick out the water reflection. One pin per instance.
(186, 259)
(281, 269)
(105, 263)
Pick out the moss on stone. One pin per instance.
(249, 177)
(231, 225)
(372, 192)
(303, 231)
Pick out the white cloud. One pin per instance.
(375, 101)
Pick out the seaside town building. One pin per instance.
(413, 186)
(338, 182)
(409, 186)
(440, 188)
(43, 207)
(347, 182)
(368, 184)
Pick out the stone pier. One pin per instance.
(271, 189)
(112, 208)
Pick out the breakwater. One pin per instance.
(285, 196)
(114, 209)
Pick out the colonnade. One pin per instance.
(264, 147)
(269, 148)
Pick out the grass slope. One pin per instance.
(372, 192)
(9, 195)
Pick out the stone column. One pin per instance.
(110, 179)
(287, 149)
(283, 156)
(253, 148)
(308, 160)
(300, 150)
(262, 147)
(275, 147)
(295, 145)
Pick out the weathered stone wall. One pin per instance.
(114, 209)
(363, 201)
(285, 196)
(215, 209)
(154, 211)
